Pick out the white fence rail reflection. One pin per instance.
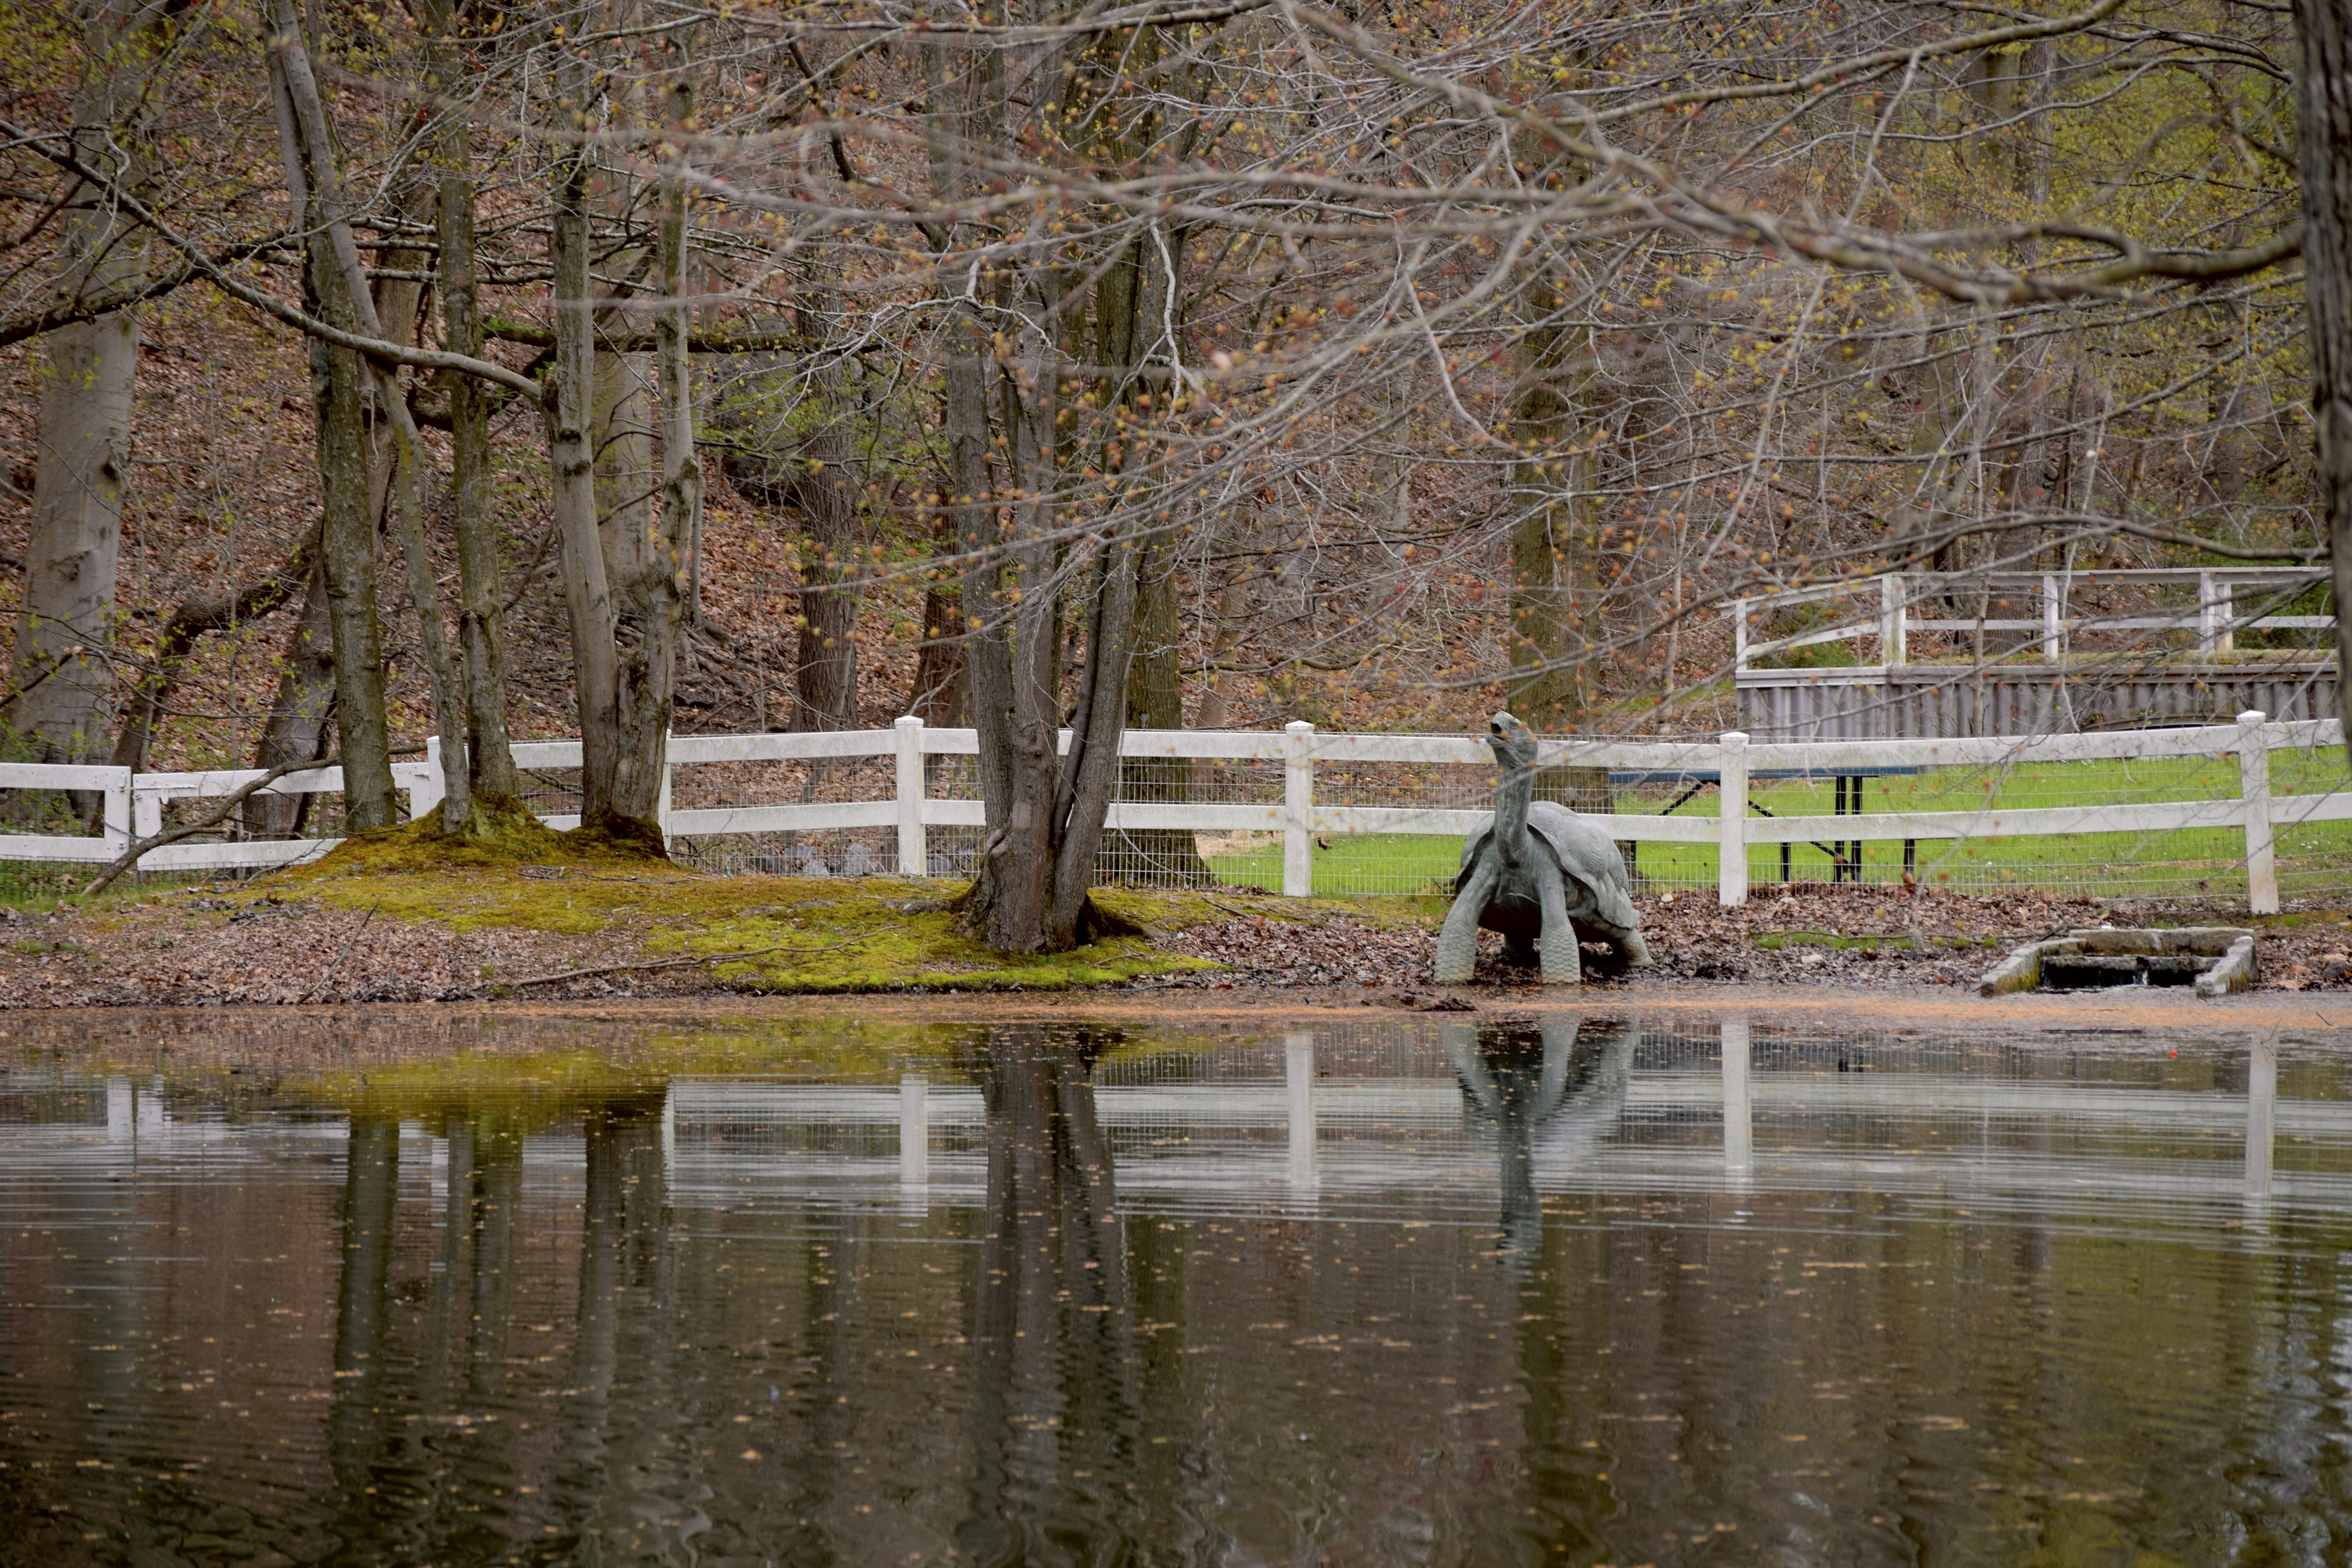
(1289, 1135)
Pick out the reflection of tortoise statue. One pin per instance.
(1540, 874)
(1560, 1082)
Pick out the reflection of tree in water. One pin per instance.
(1520, 1076)
(1054, 1425)
(421, 1429)
(627, 1486)
(375, 1500)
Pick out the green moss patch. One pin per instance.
(884, 933)
(766, 933)
(502, 835)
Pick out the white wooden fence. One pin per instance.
(134, 802)
(2215, 618)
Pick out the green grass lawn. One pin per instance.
(2311, 859)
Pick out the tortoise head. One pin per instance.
(1514, 744)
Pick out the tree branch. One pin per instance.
(73, 310)
(1700, 210)
(718, 340)
(229, 803)
(2309, 556)
(376, 348)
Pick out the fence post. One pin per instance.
(118, 826)
(661, 803)
(2054, 618)
(1739, 634)
(914, 854)
(2207, 633)
(1731, 876)
(914, 1121)
(1297, 809)
(2255, 792)
(425, 792)
(1298, 1082)
(1893, 622)
(146, 815)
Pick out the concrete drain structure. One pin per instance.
(2214, 959)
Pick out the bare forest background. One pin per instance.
(500, 371)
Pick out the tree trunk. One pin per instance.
(2323, 153)
(653, 590)
(812, 483)
(1155, 701)
(824, 677)
(1554, 592)
(82, 431)
(456, 809)
(348, 537)
(391, 314)
(1043, 813)
(71, 553)
(622, 435)
(587, 592)
(936, 694)
(388, 309)
(1133, 305)
(481, 612)
(299, 717)
(348, 552)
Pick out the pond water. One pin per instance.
(1570, 1290)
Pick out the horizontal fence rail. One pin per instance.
(132, 805)
(2214, 618)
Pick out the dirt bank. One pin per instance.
(1806, 933)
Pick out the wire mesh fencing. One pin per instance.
(2158, 814)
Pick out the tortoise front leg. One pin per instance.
(1457, 940)
(1562, 965)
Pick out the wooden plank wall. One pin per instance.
(1939, 702)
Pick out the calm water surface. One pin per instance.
(1579, 1290)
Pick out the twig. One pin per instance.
(677, 963)
(1269, 914)
(56, 664)
(336, 967)
(229, 803)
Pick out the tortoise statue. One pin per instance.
(1538, 873)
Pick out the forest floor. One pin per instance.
(388, 929)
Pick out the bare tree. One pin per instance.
(2324, 149)
(83, 429)
(1367, 367)
(347, 551)
(481, 618)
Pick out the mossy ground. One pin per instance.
(1773, 941)
(794, 934)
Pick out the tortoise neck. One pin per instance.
(1512, 797)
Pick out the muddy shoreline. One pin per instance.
(363, 1036)
(250, 948)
